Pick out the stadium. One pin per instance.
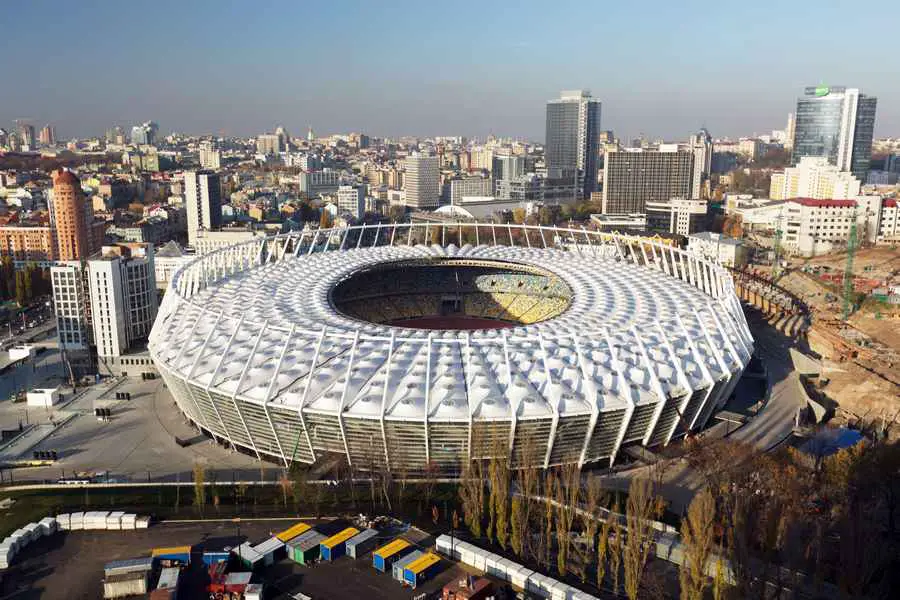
(418, 346)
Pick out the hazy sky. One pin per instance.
(426, 67)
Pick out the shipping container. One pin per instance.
(172, 555)
(210, 558)
(95, 519)
(114, 520)
(304, 548)
(63, 520)
(421, 570)
(167, 585)
(362, 543)
(387, 555)
(398, 567)
(335, 546)
(236, 583)
(271, 550)
(76, 521)
(249, 557)
(129, 521)
(49, 525)
(292, 532)
(130, 565)
(122, 585)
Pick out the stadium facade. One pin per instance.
(419, 344)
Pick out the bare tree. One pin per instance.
(616, 549)
(591, 493)
(518, 525)
(284, 483)
(698, 536)
(602, 549)
(199, 487)
(642, 508)
(471, 494)
(568, 483)
(499, 478)
(549, 487)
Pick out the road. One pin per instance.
(768, 429)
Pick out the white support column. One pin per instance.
(340, 414)
(361, 233)
(514, 410)
(409, 234)
(477, 235)
(512, 242)
(271, 388)
(215, 373)
(723, 333)
(377, 234)
(720, 361)
(190, 372)
(621, 386)
(312, 242)
(393, 234)
(654, 383)
(266, 406)
(237, 388)
(644, 253)
(704, 370)
(593, 396)
(543, 239)
(553, 397)
(468, 373)
(682, 377)
(443, 235)
(384, 399)
(527, 239)
(588, 240)
(427, 398)
(494, 232)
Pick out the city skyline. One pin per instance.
(665, 71)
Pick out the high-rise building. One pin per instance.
(837, 123)
(202, 201)
(108, 301)
(26, 136)
(210, 156)
(789, 132)
(144, 134)
(572, 145)
(508, 167)
(633, 176)
(701, 146)
(470, 187)
(351, 199)
(269, 143)
(26, 243)
(77, 234)
(422, 181)
(814, 178)
(47, 137)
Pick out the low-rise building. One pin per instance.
(724, 250)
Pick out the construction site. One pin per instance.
(851, 300)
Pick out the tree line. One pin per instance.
(23, 285)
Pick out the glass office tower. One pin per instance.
(572, 144)
(837, 123)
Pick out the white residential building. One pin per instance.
(109, 302)
(210, 156)
(422, 182)
(470, 186)
(814, 178)
(715, 246)
(351, 199)
(203, 202)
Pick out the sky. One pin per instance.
(394, 67)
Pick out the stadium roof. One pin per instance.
(270, 333)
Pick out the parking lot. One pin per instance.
(69, 565)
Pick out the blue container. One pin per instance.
(211, 558)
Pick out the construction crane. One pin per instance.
(848, 270)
